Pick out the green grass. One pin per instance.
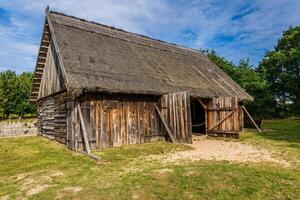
(280, 135)
(124, 173)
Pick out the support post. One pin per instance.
(165, 124)
(84, 133)
(251, 119)
(202, 104)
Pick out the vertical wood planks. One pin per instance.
(217, 109)
(118, 122)
(175, 108)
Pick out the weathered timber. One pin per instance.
(223, 114)
(83, 128)
(251, 119)
(52, 114)
(202, 104)
(52, 79)
(177, 115)
(165, 125)
(219, 122)
(113, 120)
(91, 156)
(231, 134)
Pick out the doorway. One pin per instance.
(198, 117)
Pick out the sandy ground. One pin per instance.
(207, 149)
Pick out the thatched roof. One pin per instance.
(96, 57)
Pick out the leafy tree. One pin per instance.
(14, 93)
(281, 68)
(24, 88)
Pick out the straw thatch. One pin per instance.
(101, 58)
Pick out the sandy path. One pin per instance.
(221, 150)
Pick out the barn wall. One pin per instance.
(115, 120)
(52, 80)
(52, 117)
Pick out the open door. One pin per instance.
(198, 116)
(176, 112)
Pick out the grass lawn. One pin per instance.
(37, 168)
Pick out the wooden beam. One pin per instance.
(202, 104)
(43, 52)
(251, 119)
(40, 63)
(226, 116)
(91, 155)
(55, 45)
(84, 133)
(165, 124)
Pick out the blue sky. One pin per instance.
(234, 29)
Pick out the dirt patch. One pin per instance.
(136, 195)
(34, 183)
(6, 197)
(164, 171)
(36, 189)
(68, 190)
(221, 150)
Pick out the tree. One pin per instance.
(281, 68)
(14, 93)
(24, 88)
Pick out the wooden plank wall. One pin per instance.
(52, 80)
(117, 120)
(175, 109)
(52, 117)
(217, 109)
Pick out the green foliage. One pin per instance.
(281, 68)
(251, 81)
(14, 94)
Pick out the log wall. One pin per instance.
(52, 117)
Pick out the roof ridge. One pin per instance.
(131, 33)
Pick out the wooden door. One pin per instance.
(175, 109)
(223, 116)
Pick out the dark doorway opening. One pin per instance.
(198, 117)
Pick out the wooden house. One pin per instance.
(103, 87)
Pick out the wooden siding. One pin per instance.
(217, 110)
(52, 80)
(52, 117)
(175, 109)
(114, 120)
